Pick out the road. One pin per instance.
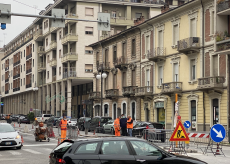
(38, 152)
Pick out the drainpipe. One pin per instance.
(203, 62)
(140, 69)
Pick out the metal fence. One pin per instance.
(71, 133)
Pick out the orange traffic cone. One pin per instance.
(22, 139)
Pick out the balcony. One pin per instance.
(42, 82)
(94, 95)
(158, 54)
(72, 56)
(6, 92)
(223, 8)
(208, 83)
(54, 29)
(7, 68)
(122, 21)
(121, 63)
(53, 78)
(105, 66)
(69, 38)
(143, 92)
(41, 50)
(29, 70)
(53, 62)
(70, 74)
(28, 85)
(71, 15)
(16, 76)
(128, 91)
(41, 67)
(38, 35)
(188, 45)
(111, 93)
(170, 88)
(16, 63)
(16, 89)
(6, 80)
(52, 46)
(223, 47)
(29, 56)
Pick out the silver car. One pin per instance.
(108, 127)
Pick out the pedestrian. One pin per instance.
(117, 126)
(130, 125)
(123, 122)
(63, 125)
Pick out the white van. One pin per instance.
(43, 117)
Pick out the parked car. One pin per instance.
(97, 123)
(15, 117)
(81, 121)
(72, 122)
(25, 120)
(43, 117)
(53, 120)
(115, 150)
(9, 137)
(108, 127)
(3, 116)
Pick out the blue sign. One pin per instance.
(217, 133)
(187, 124)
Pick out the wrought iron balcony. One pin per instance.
(111, 93)
(128, 91)
(105, 66)
(94, 95)
(28, 85)
(16, 89)
(6, 92)
(211, 82)
(6, 80)
(172, 87)
(16, 76)
(188, 45)
(158, 54)
(16, 63)
(221, 7)
(28, 56)
(144, 91)
(121, 63)
(29, 70)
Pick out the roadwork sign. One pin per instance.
(179, 133)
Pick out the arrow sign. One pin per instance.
(218, 133)
(187, 124)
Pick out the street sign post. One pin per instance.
(187, 124)
(179, 133)
(217, 133)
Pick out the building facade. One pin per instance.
(58, 60)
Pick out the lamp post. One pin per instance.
(101, 76)
(35, 89)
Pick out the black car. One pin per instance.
(25, 120)
(97, 123)
(15, 117)
(115, 150)
(81, 121)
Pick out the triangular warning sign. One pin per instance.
(179, 133)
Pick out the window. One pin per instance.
(193, 27)
(124, 49)
(133, 78)
(147, 77)
(145, 149)
(133, 110)
(46, 41)
(63, 147)
(160, 39)
(118, 148)
(89, 30)
(175, 34)
(21, 82)
(160, 75)
(175, 72)
(212, 22)
(24, 67)
(114, 14)
(24, 81)
(60, 35)
(133, 47)
(124, 79)
(88, 50)
(48, 74)
(138, 15)
(88, 11)
(147, 45)
(106, 110)
(24, 53)
(193, 114)
(215, 104)
(33, 47)
(88, 68)
(21, 68)
(115, 81)
(114, 53)
(215, 65)
(193, 69)
(89, 148)
(59, 70)
(33, 78)
(11, 85)
(33, 62)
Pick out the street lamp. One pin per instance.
(101, 76)
(35, 89)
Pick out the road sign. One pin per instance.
(187, 124)
(217, 133)
(5, 18)
(103, 17)
(58, 22)
(179, 133)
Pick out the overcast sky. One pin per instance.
(18, 24)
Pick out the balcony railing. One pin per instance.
(28, 56)
(41, 66)
(29, 70)
(16, 63)
(223, 6)
(16, 76)
(171, 87)
(41, 50)
(128, 91)
(6, 80)
(188, 44)
(223, 45)
(156, 54)
(111, 93)
(144, 91)
(38, 34)
(121, 62)
(6, 92)
(53, 62)
(28, 85)
(104, 65)
(94, 95)
(211, 82)
(71, 37)
(16, 89)
(71, 56)
(54, 78)
(69, 74)
(7, 67)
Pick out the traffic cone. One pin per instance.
(32, 126)
(14, 124)
(22, 139)
(217, 150)
(78, 133)
(19, 125)
(94, 132)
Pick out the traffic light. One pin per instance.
(3, 26)
(5, 18)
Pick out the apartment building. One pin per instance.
(59, 61)
(2, 104)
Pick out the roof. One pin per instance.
(109, 139)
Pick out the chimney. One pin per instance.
(164, 8)
(139, 20)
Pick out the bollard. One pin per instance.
(86, 131)
(26, 129)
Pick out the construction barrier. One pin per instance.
(72, 132)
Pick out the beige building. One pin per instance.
(58, 60)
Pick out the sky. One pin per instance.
(18, 24)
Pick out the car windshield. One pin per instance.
(63, 147)
(138, 124)
(5, 128)
(87, 119)
(104, 120)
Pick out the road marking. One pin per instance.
(11, 159)
(48, 149)
(32, 151)
(41, 145)
(15, 153)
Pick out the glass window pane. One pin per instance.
(118, 147)
(89, 148)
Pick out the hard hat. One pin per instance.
(36, 119)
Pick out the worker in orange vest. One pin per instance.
(63, 125)
(130, 125)
(117, 126)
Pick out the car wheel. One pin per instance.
(19, 147)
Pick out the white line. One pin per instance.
(32, 151)
(40, 145)
(15, 153)
(11, 159)
(48, 149)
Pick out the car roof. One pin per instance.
(109, 139)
